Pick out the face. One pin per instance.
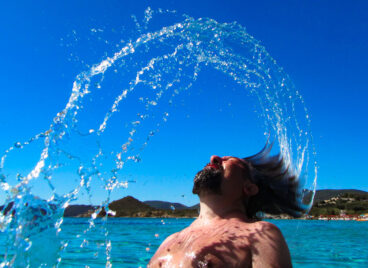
(223, 176)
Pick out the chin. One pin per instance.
(207, 181)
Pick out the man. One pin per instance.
(227, 233)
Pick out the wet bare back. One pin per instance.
(224, 243)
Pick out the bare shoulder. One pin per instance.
(267, 227)
(162, 249)
(169, 240)
(269, 248)
(260, 228)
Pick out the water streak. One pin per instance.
(148, 72)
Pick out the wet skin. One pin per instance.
(222, 236)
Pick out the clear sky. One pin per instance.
(322, 45)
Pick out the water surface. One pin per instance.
(135, 240)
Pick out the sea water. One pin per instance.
(135, 240)
(116, 106)
(311, 243)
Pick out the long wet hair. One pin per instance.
(279, 187)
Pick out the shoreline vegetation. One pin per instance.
(327, 205)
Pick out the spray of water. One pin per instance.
(128, 89)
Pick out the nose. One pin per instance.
(216, 160)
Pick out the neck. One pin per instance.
(214, 207)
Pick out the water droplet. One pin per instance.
(111, 213)
(18, 145)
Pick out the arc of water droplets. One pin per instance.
(100, 69)
(204, 41)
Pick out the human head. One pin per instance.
(267, 184)
(226, 176)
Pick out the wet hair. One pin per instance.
(279, 187)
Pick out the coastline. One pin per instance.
(339, 205)
(278, 217)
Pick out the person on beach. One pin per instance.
(228, 233)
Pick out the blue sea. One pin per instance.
(135, 240)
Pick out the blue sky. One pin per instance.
(320, 44)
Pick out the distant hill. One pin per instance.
(77, 210)
(342, 202)
(322, 195)
(194, 207)
(132, 207)
(164, 205)
(128, 206)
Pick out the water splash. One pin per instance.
(132, 88)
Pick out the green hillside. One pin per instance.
(326, 202)
(131, 207)
(165, 205)
(346, 202)
(328, 194)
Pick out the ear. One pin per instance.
(250, 188)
